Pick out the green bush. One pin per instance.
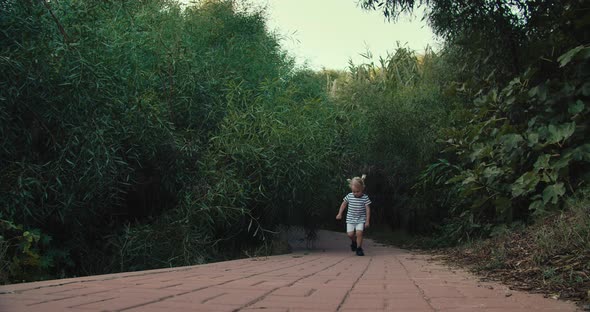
(112, 115)
(522, 152)
(27, 254)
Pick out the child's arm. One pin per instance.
(342, 207)
(368, 208)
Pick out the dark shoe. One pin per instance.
(359, 252)
(353, 246)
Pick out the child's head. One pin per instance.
(357, 185)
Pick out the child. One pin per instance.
(358, 214)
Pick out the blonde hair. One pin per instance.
(360, 181)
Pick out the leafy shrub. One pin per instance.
(27, 254)
(108, 114)
(522, 152)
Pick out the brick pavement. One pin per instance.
(330, 278)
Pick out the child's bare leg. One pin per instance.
(359, 238)
(351, 236)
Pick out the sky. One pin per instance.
(328, 33)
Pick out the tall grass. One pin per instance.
(141, 135)
(399, 108)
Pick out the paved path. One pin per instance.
(329, 279)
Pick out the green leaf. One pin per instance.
(525, 184)
(492, 171)
(480, 151)
(560, 132)
(469, 180)
(575, 108)
(542, 162)
(561, 162)
(455, 179)
(532, 121)
(552, 193)
(537, 205)
(533, 138)
(46, 262)
(511, 141)
(540, 92)
(581, 153)
(577, 53)
(549, 176)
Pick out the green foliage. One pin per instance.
(112, 115)
(27, 254)
(280, 153)
(523, 150)
(398, 107)
(516, 145)
(270, 163)
(494, 41)
(151, 134)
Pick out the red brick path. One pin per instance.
(331, 278)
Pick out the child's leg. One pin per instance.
(359, 234)
(350, 231)
(359, 238)
(353, 245)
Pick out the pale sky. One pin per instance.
(327, 33)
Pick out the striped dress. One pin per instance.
(356, 208)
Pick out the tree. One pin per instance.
(502, 37)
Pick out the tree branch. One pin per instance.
(61, 28)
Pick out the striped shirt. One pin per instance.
(356, 208)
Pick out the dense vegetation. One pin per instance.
(142, 135)
(515, 78)
(513, 153)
